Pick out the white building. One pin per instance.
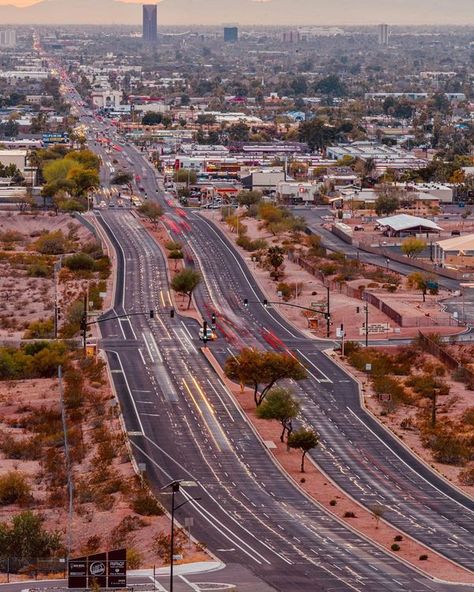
(294, 191)
(384, 34)
(109, 99)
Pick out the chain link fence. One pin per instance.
(33, 567)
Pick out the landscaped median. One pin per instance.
(317, 486)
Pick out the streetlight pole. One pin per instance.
(366, 308)
(175, 487)
(328, 315)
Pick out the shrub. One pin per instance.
(39, 270)
(328, 268)
(333, 502)
(398, 538)
(146, 505)
(20, 449)
(448, 447)
(425, 384)
(40, 330)
(466, 477)
(390, 386)
(423, 557)
(285, 290)
(134, 558)
(51, 243)
(349, 515)
(14, 489)
(162, 544)
(25, 537)
(120, 534)
(79, 262)
(395, 547)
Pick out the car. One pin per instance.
(210, 335)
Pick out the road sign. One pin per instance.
(107, 570)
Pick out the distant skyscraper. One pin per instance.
(231, 34)
(150, 22)
(8, 38)
(383, 34)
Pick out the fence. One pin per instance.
(32, 566)
(439, 352)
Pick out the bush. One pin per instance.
(466, 477)
(25, 537)
(20, 449)
(423, 557)
(333, 502)
(425, 384)
(40, 330)
(146, 505)
(328, 268)
(14, 489)
(51, 243)
(395, 547)
(390, 386)
(448, 447)
(398, 538)
(39, 270)
(134, 558)
(349, 515)
(285, 290)
(79, 262)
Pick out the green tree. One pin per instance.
(281, 406)
(26, 538)
(152, 118)
(423, 282)
(152, 211)
(185, 282)
(176, 256)
(386, 204)
(262, 370)
(185, 176)
(274, 257)
(412, 246)
(14, 488)
(122, 178)
(332, 86)
(249, 198)
(51, 243)
(305, 440)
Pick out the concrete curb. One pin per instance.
(218, 370)
(388, 430)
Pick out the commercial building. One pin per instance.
(404, 224)
(8, 38)
(295, 192)
(263, 179)
(150, 23)
(455, 252)
(109, 99)
(383, 34)
(231, 34)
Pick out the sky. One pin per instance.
(244, 12)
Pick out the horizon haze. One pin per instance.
(242, 12)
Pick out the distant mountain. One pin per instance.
(245, 12)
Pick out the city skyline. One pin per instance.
(242, 12)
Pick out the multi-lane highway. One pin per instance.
(183, 423)
(356, 452)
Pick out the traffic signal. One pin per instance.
(213, 318)
(246, 302)
(172, 313)
(152, 314)
(265, 302)
(58, 314)
(204, 331)
(358, 309)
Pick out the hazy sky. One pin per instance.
(278, 12)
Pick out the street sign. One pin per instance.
(107, 570)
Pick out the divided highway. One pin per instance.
(183, 423)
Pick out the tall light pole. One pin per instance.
(175, 487)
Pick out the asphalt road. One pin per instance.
(356, 452)
(185, 429)
(183, 423)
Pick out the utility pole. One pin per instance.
(57, 267)
(84, 323)
(434, 399)
(366, 308)
(328, 315)
(68, 464)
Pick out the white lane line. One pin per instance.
(147, 348)
(224, 530)
(130, 324)
(221, 400)
(245, 276)
(155, 346)
(157, 585)
(129, 391)
(326, 378)
(194, 587)
(405, 463)
(141, 356)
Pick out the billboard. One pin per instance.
(107, 570)
(55, 138)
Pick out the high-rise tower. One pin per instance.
(150, 23)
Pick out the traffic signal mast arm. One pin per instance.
(267, 302)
